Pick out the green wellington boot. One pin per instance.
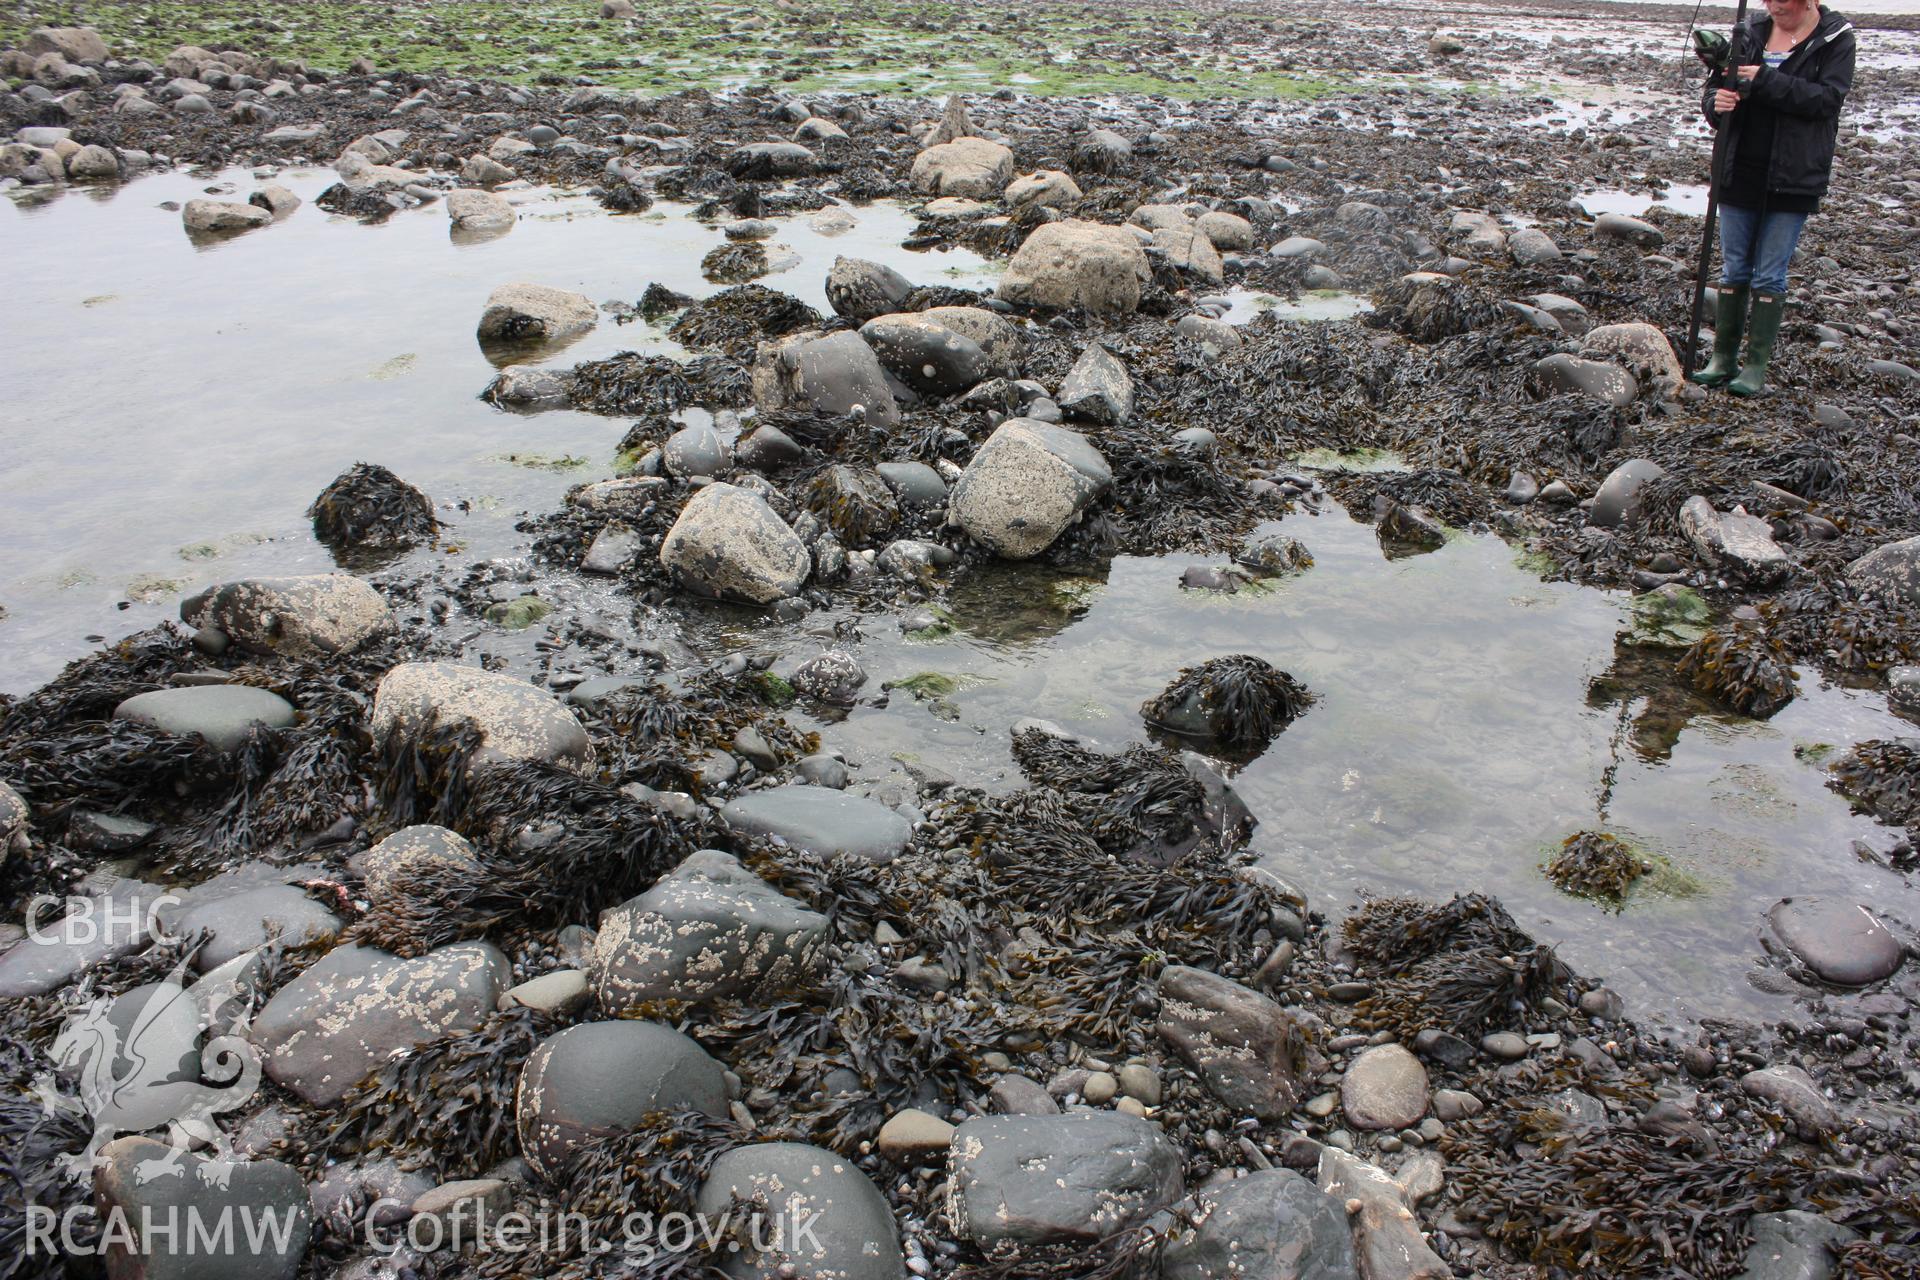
(1729, 318)
(1763, 328)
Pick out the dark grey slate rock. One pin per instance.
(1561, 372)
(823, 771)
(601, 1078)
(914, 484)
(104, 926)
(1015, 1095)
(1839, 941)
(249, 906)
(95, 832)
(220, 713)
(352, 1010)
(1098, 388)
(851, 1236)
(614, 548)
(695, 451)
(1245, 1047)
(862, 290)
(1273, 1224)
(1893, 570)
(1614, 502)
(265, 1191)
(768, 448)
(836, 374)
(707, 930)
(759, 160)
(830, 823)
(1793, 1245)
(1069, 1179)
(926, 355)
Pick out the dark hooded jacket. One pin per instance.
(1800, 99)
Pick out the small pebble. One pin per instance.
(1100, 1088)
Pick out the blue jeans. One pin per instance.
(1755, 247)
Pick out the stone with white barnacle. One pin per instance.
(14, 834)
(728, 542)
(316, 615)
(1025, 485)
(708, 930)
(408, 851)
(1069, 1179)
(822, 1218)
(834, 676)
(516, 720)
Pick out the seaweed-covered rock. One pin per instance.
(1594, 864)
(760, 160)
(1025, 485)
(925, 354)
(854, 502)
(602, 1078)
(525, 387)
(1740, 544)
(735, 263)
(823, 821)
(356, 1007)
(367, 508)
(250, 906)
(1892, 570)
(973, 168)
(254, 1214)
(388, 864)
(836, 374)
(850, 1232)
(223, 714)
(535, 313)
(1068, 264)
(1272, 1224)
(15, 833)
(516, 721)
(1840, 942)
(1068, 1179)
(305, 617)
(1097, 388)
(1239, 701)
(1247, 1050)
(1743, 666)
(1274, 555)
(862, 290)
(708, 930)
(728, 542)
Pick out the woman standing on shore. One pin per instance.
(1781, 107)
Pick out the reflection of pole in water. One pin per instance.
(1610, 774)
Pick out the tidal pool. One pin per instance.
(182, 403)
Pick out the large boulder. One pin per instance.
(1384, 1088)
(1616, 502)
(835, 374)
(314, 616)
(1070, 1179)
(535, 313)
(1561, 372)
(356, 1008)
(973, 168)
(760, 160)
(708, 930)
(1639, 346)
(223, 714)
(75, 44)
(1272, 1224)
(1188, 249)
(995, 335)
(823, 821)
(516, 720)
(602, 1078)
(114, 921)
(478, 211)
(849, 1230)
(1048, 187)
(248, 907)
(1077, 264)
(1891, 571)
(1025, 485)
(861, 290)
(925, 354)
(1097, 388)
(1247, 1050)
(728, 542)
(1740, 544)
(184, 1216)
(1840, 942)
(1229, 232)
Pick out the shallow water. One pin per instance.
(193, 399)
(1690, 199)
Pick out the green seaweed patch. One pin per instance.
(773, 690)
(928, 684)
(941, 629)
(542, 461)
(1669, 617)
(519, 613)
(1813, 753)
(1536, 562)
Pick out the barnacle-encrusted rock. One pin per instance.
(516, 721)
(250, 906)
(728, 542)
(850, 1230)
(1739, 544)
(356, 1007)
(1068, 1179)
(304, 617)
(14, 834)
(995, 334)
(1025, 485)
(862, 290)
(600, 1078)
(1892, 570)
(410, 848)
(1098, 388)
(1077, 264)
(1247, 1050)
(708, 930)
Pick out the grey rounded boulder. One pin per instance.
(516, 720)
(1025, 485)
(1615, 502)
(925, 354)
(204, 1193)
(1384, 1088)
(220, 713)
(823, 821)
(1077, 264)
(849, 1230)
(1273, 1224)
(601, 1078)
(861, 290)
(535, 313)
(1892, 571)
(1067, 1179)
(707, 930)
(836, 374)
(1839, 942)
